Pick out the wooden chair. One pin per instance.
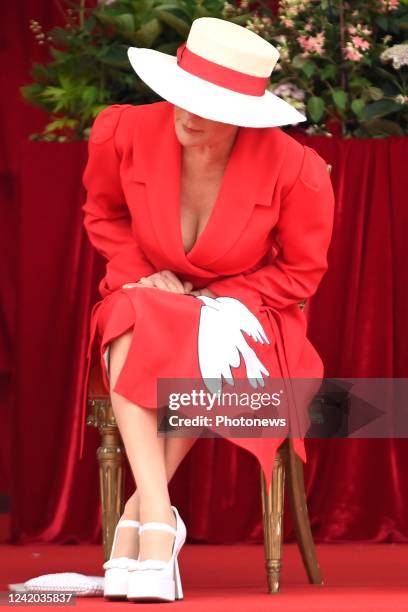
(287, 467)
(287, 470)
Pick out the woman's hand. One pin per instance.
(168, 281)
(204, 291)
(165, 279)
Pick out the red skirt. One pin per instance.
(180, 336)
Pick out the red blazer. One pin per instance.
(268, 234)
(266, 240)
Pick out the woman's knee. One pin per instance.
(119, 348)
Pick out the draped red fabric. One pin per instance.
(356, 321)
(49, 275)
(18, 49)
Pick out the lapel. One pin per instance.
(249, 179)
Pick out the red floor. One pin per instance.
(358, 577)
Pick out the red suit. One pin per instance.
(265, 244)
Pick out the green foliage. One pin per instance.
(89, 68)
(342, 61)
(338, 61)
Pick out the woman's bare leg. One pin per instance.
(175, 450)
(152, 465)
(127, 544)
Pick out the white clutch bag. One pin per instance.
(68, 582)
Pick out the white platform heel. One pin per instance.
(116, 569)
(156, 580)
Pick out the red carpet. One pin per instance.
(358, 577)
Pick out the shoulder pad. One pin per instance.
(314, 169)
(106, 122)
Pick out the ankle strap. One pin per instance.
(158, 526)
(128, 523)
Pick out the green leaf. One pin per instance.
(125, 22)
(386, 74)
(147, 34)
(298, 61)
(31, 91)
(167, 6)
(315, 108)
(359, 81)
(382, 21)
(375, 93)
(395, 26)
(105, 18)
(379, 109)
(40, 72)
(67, 82)
(114, 55)
(384, 127)
(340, 99)
(90, 94)
(58, 55)
(328, 72)
(169, 48)
(309, 68)
(53, 93)
(58, 124)
(403, 22)
(181, 27)
(240, 19)
(357, 106)
(95, 110)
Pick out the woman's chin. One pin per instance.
(190, 140)
(187, 138)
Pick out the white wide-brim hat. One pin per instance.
(221, 73)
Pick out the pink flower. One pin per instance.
(351, 53)
(312, 44)
(288, 23)
(388, 5)
(360, 43)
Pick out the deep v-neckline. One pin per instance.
(249, 180)
(228, 170)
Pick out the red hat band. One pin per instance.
(212, 72)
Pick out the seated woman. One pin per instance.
(215, 225)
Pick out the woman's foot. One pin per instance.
(127, 539)
(156, 544)
(124, 552)
(155, 579)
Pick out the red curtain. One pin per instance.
(49, 274)
(18, 49)
(357, 322)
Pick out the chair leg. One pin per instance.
(272, 514)
(300, 516)
(111, 459)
